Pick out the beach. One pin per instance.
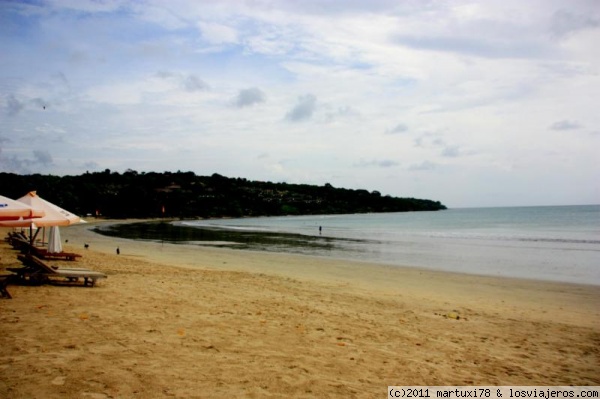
(187, 321)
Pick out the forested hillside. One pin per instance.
(186, 195)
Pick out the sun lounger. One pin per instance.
(37, 271)
(18, 242)
(44, 254)
(15, 234)
(25, 246)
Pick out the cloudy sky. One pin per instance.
(472, 103)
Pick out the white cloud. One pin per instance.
(119, 93)
(215, 33)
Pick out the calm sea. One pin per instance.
(557, 243)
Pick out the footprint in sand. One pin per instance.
(60, 380)
(94, 395)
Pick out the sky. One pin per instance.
(471, 103)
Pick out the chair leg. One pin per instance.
(3, 290)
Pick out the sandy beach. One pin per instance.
(197, 322)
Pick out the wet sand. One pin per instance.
(196, 322)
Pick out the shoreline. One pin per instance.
(387, 279)
(328, 257)
(187, 321)
(565, 261)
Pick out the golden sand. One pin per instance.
(190, 322)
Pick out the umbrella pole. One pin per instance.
(33, 237)
(29, 250)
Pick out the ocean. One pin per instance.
(554, 243)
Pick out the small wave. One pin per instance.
(223, 227)
(560, 240)
(214, 243)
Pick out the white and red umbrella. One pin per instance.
(53, 215)
(14, 210)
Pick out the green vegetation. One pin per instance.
(185, 195)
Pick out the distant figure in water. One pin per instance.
(320, 229)
(118, 251)
(86, 245)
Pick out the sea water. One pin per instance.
(556, 243)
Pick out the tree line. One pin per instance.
(186, 195)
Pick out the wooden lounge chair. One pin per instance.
(44, 254)
(35, 270)
(18, 242)
(14, 234)
(25, 246)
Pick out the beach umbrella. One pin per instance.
(13, 210)
(54, 215)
